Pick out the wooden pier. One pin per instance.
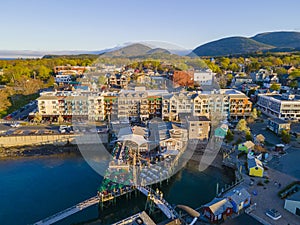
(69, 211)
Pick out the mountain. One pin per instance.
(282, 39)
(128, 51)
(230, 46)
(270, 41)
(158, 51)
(171, 47)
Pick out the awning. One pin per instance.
(139, 140)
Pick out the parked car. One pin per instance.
(64, 127)
(8, 117)
(62, 131)
(15, 125)
(273, 214)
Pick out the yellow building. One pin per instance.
(255, 167)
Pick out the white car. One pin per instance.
(273, 214)
(15, 125)
(62, 131)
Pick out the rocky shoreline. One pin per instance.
(33, 151)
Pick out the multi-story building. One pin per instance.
(179, 103)
(140, 103)
(48, 105)
(285, 106)
(117, 80)
(278, 125)
(240, 105)
(78, 70)
(64, 78)
(238, 80)
(212, 104)
(198, 127)
(260, 75)
(203, 78)
(144, 104)
(72, 105)
(110, 106)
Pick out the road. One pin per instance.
(24, 111)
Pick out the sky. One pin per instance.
(97, 24)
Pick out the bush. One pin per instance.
(282, 193)
(285, 136)
(229, 136)
(239, 141)
(266, 181)
(259, 183)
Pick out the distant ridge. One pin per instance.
(270, 41)
(230, 46)
(283, 39)
(158, 51)
(280, 41)
(128, 51)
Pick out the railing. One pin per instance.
(161, 203)
(67, 212)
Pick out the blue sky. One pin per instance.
(97, 24)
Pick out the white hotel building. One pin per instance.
(285, 106)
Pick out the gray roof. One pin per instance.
(124, 131)
(278, 121)
(197, 118)
(238, 195)
(295, 197)
(74, 98)
(48, 97)
(253, 162)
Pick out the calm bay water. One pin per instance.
(35, 188)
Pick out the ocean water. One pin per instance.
(35, 188)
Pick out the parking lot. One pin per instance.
(261, 128)
(6, 129)
(266, 196)
(23, 112)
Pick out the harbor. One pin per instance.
(82, 183)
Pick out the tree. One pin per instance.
(234, 67)
(248, 135)
(285, 136)
(4, 103)
(295, 74)
(43, 72)
(254, 113)
(242, 125)
(229, 78)
(182, 66)
(293, 84)
(225, 63)
(258, 113)
(275, 87)
(229, 136)
(60, 119)
(37, 117)
(102, 80)
(281, 71)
